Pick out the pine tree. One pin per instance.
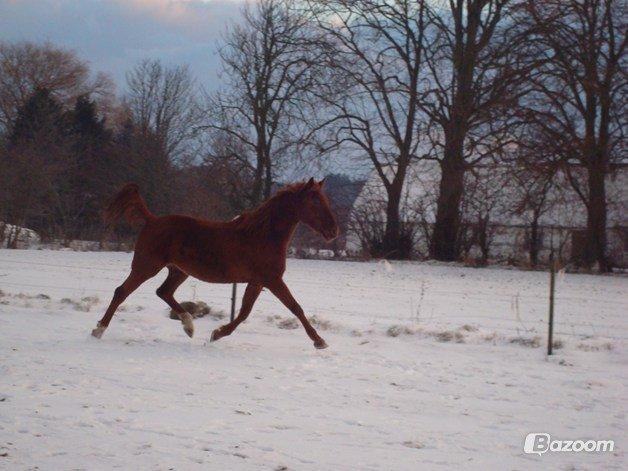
(41, 120)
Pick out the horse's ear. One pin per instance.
(309, 184)
(322, 182)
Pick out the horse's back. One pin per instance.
(165, 236)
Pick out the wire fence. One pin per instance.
(429, 298)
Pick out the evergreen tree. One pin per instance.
(89, 178)
(41, 120)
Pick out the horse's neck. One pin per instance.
(272, 226)
(283, 230)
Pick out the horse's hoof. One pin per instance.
(98, 331)
(320, 344)
(189, 329)
(188, 325)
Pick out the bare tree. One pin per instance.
(26, 66)
(163, 102)
(532, 170)
(476, 77)
(367, 221)
(484, 206)
(268, 68)
(375, 49)
(580, 100)
(534, 185)
(228, 161)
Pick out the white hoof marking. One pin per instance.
(188, 325)
(98, 331)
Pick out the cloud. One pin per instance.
(113, 35)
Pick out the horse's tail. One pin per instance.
(128, 204)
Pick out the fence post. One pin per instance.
(234, 288)
(550, 332)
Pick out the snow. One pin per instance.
(25, 237)
(402, 386)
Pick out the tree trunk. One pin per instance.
(444, 245)
(258, 178)
(391, 245)
(534, 240)
(483, 238)
(268, 178)
(595, 245)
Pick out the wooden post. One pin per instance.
(550, 331)
(234, 288)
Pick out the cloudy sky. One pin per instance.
(114, 34)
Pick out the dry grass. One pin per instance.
(130, 308)
(441, 336)
(397, 330)
(289, 323)
(468, 328)
(83, 305)
(589, 347)
(558, 344)
(449, 336)
(320, 323)
(530, 342)
(413, 444)
(198, 309)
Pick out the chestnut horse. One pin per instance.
(248, 249)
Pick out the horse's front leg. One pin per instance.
(250, 296)
(279, 289)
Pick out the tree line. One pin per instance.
(537, 84)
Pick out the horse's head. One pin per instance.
(314, 209)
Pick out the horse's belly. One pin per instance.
(216, 262)
(214, 271)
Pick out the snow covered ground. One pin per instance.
(429, 367)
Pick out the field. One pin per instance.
(429, 367)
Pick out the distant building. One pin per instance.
(493, 197)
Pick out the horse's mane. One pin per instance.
(263, 218)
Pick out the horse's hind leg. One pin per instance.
(249, 298)
(133, 281)
(166, 292)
